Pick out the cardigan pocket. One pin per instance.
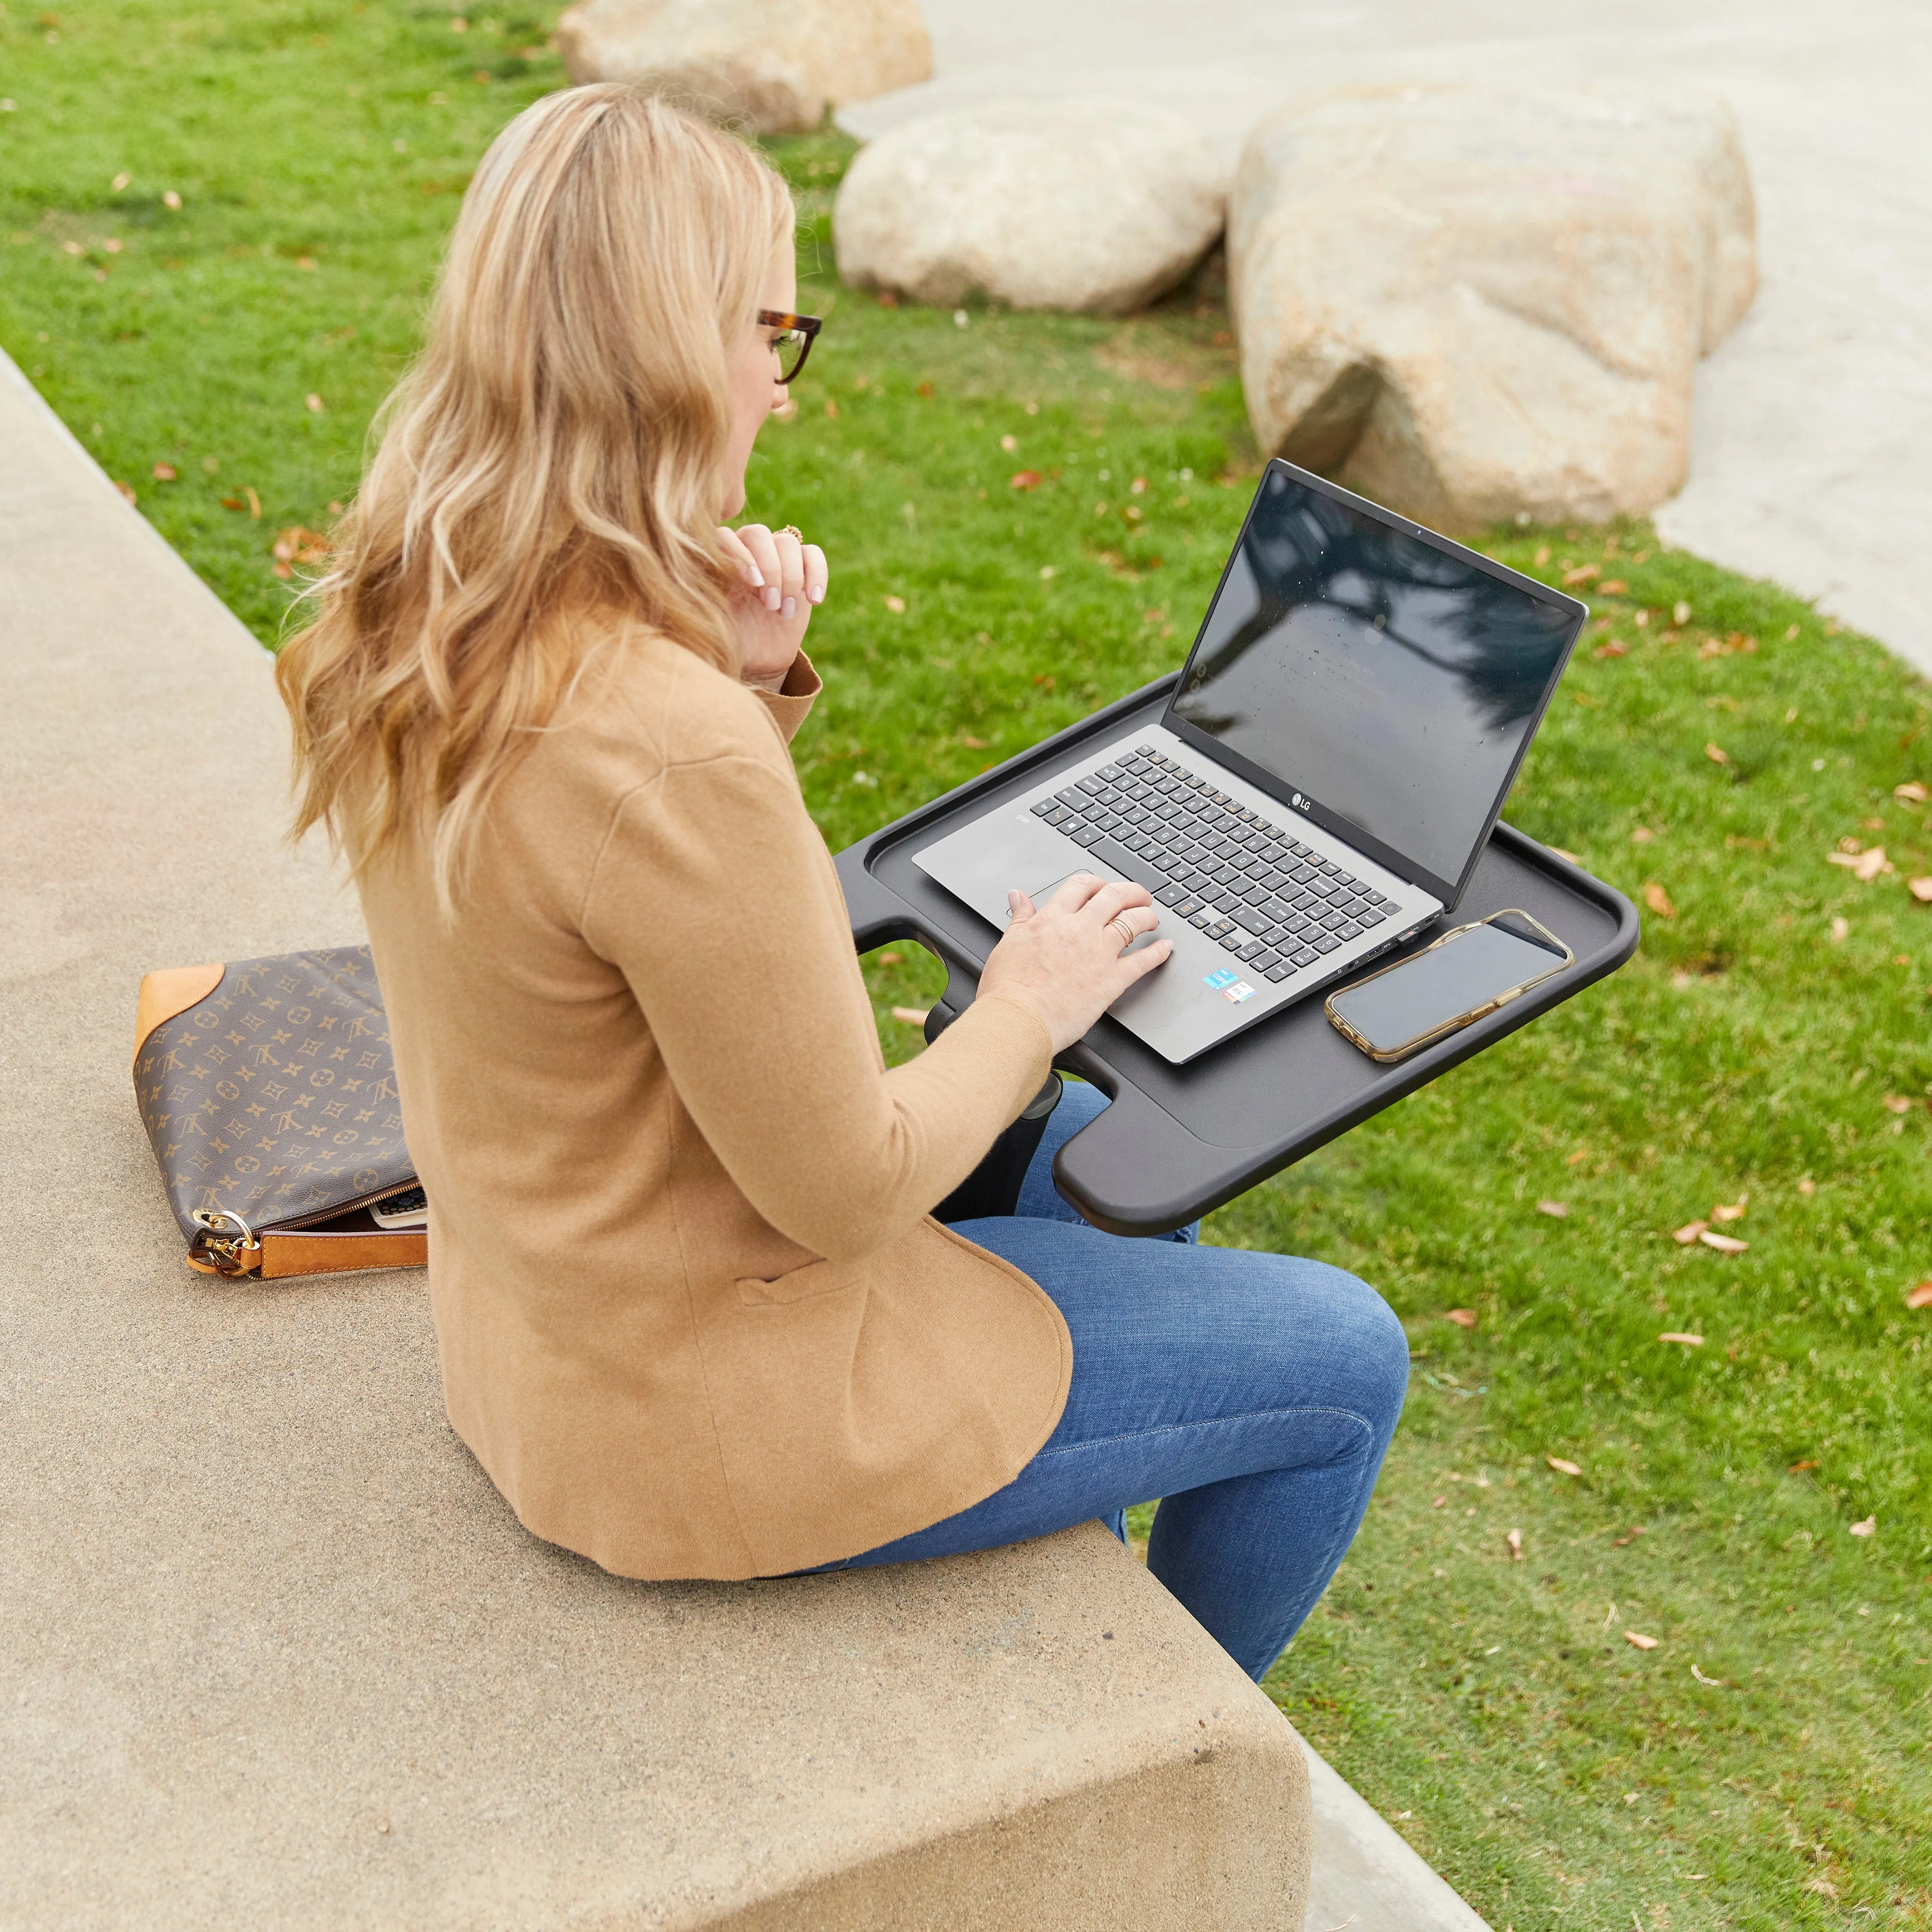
(798, 1284)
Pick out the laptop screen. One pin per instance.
(1391, 680)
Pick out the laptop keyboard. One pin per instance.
(1272, 903)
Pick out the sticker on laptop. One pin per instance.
(1225, 977)
(1240, 991)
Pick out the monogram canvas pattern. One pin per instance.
(274, 1097)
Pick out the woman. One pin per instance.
(695, 1317)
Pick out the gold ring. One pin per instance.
(1118, 923)
(792, 531)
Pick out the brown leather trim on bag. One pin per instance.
(169, 992)
(302, 1252)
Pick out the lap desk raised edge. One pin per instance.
(1178, 1140)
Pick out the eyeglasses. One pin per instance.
(792, 343)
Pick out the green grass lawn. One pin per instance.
(1766, 1764)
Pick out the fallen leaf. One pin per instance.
(126, 490)
(1466, 1318)
(1730, 1211)
(1613, 586)
(1798, 1468)
(1912, 791)
(1841, 928)
(1009, 444)
(977, 744)
(1680, 613)
(1678, 1335)
(1715, 1683)
(1868, 1527)
(1823, 1887)
(831, 408)
(1716, 754)
(1897, 1103)
(254, 504)
(911, 1015)
(1562, 1467)
(1582, 574)
(1921, 890)
(1138, 486)
(233, 503)
(1514, 1540)
(1046, 570)
(313, 403)
(1439, 1502)
(170, 200)
(297, 545)
(892, 958)
(305, 261)
(1639, 1641)
(1557, 1210)
(1658, 901)
(1612, 650)
(1725, 1244)
(1577, 1159)
(1689, 1232)
(1807, 1186)
(1920, 1297)
(896, 605)
(1024, 479)
(1870, 864)
(1641, 835)
(121, 181)
(166, 472)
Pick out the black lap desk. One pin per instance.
(1178, 1140)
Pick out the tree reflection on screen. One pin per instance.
(1391, 682)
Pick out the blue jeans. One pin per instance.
(1255, 1393)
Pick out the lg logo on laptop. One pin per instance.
(1298, 801)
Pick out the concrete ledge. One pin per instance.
(278, 1655)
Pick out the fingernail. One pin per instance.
(758, 576)
(816, 593)
(790, 605)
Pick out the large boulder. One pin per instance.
(773, 67)
(1084, 204)
(1475, 304)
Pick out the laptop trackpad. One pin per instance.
(985, 861)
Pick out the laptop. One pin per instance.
(1324, 778)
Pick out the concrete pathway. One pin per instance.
(1812, 459)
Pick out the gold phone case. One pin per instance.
(1387, 1054)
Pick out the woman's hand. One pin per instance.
(1068, 960)
(780, 580)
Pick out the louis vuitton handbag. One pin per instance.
(268, 1087)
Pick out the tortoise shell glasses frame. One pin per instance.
(792, 343)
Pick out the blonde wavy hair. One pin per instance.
(548, 472)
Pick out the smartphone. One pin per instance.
(1464, 975)
(409, 1209)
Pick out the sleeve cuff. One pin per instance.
(1009, 1036)
(791, 704)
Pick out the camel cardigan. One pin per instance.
(694, 1318)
